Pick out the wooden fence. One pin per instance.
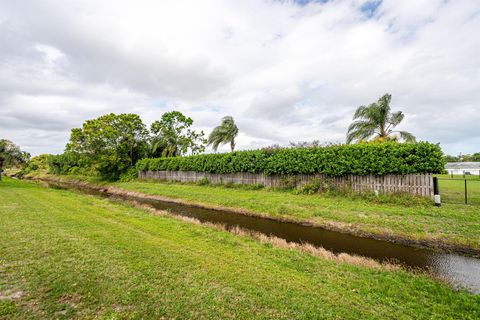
(417, 184)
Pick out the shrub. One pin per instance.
(288, 182)
(203, 182)
(310, 188)
(337, 160)
(129, 175)
(111, 167)
(36, 164)
(63, 163)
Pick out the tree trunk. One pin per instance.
(131, 155)
(1, 168)
(232, 145)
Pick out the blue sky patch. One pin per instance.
(370, 7)
(305, 2)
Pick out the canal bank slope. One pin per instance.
(67, 255)
(452, 228)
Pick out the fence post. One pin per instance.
(436, 192)
(466, 197)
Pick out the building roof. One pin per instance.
(463, 165)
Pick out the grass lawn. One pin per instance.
(452, 223)
(453, 190)
(68, 255)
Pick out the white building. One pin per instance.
(463, 168)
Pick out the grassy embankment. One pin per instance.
(67, 255)
(455, 225)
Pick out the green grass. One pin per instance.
(456, 224)
(453, 190)
(68, 255)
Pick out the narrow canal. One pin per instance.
(459, 270)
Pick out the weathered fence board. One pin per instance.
(417, 184)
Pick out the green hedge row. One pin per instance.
(359, 159)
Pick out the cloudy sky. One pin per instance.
(285, 70)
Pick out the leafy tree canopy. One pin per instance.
(11, 155)
(112, 143)
(172, 136)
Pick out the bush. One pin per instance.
(358, 159)
(36, 164)
(107, 167)
(129, 175)
(310, 188)
(111, 167)
(203, 182)
(62, 163)
(288, 182)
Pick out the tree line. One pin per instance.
(463, 158)
(111, 145)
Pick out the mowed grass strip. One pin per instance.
(452, 223)
(68, 255)
(453, 190)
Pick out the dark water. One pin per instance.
(461, 271)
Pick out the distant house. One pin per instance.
(463, 168)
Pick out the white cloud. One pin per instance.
(286, 72)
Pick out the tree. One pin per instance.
(173, 137)
(377, 121)
(111, 143)
(476, 157)
(449, 158)
(10, 154)
(463, 158)
(226, 132)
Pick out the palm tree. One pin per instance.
(377, 121)
(224, 133)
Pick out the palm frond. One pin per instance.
(362, 125)
(360, 130)
(407, 136)
(360, 112)
(395, 118)
(376, 120)
(224, 133)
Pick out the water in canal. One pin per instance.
(460, 270)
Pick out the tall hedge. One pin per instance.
(359, 159)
